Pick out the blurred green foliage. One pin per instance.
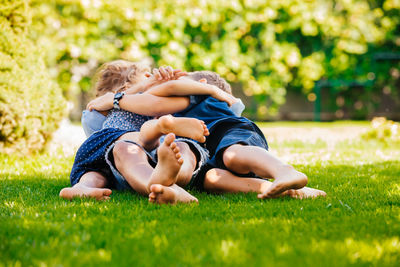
(268, 47)
(383, 130)
(31, 103)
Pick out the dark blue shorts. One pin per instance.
(120, 182)
(224, 136)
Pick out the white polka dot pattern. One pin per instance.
(125, 120)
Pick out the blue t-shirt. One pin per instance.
(210, 110)
(92, 121)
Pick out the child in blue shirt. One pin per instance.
(238, 148)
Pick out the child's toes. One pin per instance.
(172, 146)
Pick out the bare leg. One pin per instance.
(189, 160)
(169, 195)
(131, 162)
(220, 181)
(244, 159)
(152, 130)
(150, 134)
(91, 185)
(188, 166)
(169, 163)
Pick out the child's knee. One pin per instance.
(213, 175)
(234, 159)
(123, 149)
(229, 158)
(119, 148)
(166, 121)
(214, 178)
(211, 179)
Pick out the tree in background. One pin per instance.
(31, 104)
(267, 47)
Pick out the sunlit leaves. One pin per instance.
(278, 45)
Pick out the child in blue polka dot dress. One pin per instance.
(94, 168)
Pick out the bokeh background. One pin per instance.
(287, 59)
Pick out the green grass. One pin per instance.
(303, 124)
(358, 223)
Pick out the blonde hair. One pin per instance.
(212, 78)
(117, 76)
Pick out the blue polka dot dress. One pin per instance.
(91, 155)
(125, 120)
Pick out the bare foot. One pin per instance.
(169, 163)
(169, 195)
(287, 179)
(81, 191)
(305, 192)
(185, 127)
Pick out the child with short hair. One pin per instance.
(237, 145)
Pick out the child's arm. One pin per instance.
(186, 87)
(159, 76)
(143, 104)
(142, 86)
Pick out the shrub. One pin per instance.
(268, 47)
(31, 104)
(383, 130)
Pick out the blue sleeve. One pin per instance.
(92, 121)
(238, 108)
(193, 101)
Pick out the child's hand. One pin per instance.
(155, 78)
(163, 74)
(102, 103)
(178, 74)
(224, 96)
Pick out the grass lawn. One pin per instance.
(358, 223)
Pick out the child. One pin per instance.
(160, 193)
(237, 144)
(91, 168)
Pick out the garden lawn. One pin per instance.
(358, 223)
